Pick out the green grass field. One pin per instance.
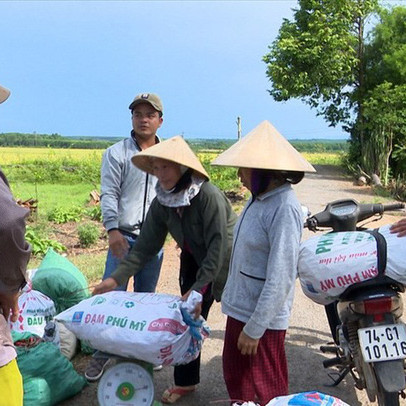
(64, 178)
(50, 196)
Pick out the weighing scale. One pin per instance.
(127, 383)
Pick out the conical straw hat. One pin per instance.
(174, 149)
(264, 148)
(4, 93)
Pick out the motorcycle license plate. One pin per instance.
(383, 343)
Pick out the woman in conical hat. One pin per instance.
(258, 295)
(200, 219)
(4, 93)
(14, 257)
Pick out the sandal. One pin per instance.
(173, 394)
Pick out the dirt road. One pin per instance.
(308, 327)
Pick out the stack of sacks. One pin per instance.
(60, 280)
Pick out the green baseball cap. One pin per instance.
(151, 98)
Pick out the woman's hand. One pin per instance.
(107, 285)
(399, 228)
(197, 311)
(186, 295)
(247, 345)
(9, 305)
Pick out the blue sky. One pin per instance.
(74, 66)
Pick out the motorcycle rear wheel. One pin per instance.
(387, 398)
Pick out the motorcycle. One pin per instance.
(365, 320)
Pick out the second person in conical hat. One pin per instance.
(200, 219)
(258, 295)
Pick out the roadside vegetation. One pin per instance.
(60, 181)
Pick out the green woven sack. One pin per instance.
(46, 362)
(61, 281)
(36, 392)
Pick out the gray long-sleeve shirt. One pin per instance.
(126, 191)
(263, 266)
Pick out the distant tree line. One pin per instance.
(52, 141)
(320, 145)
(201, 144)
(313, 145)
(58, 141)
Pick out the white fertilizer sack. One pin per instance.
(330, 263)
(144, 326)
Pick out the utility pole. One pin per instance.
(238, 127)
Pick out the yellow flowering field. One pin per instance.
(316, 158)
(16, 155)
(324, 158)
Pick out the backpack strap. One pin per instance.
(382, 250)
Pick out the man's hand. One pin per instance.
(107, 285)
(399, 228)
(247, 345)
(9, 305)
(118, 244)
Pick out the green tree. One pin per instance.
(317, 57)
(325, 58)
(385, 98)
(385, 123)
(385, 55)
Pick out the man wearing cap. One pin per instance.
(126, 194)
(258, 295)
(14, 256)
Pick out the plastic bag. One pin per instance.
(145, 326)
(51, 333)
(307, 399)
(35, 310)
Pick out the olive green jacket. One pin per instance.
(207, 227)
(14, 249)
